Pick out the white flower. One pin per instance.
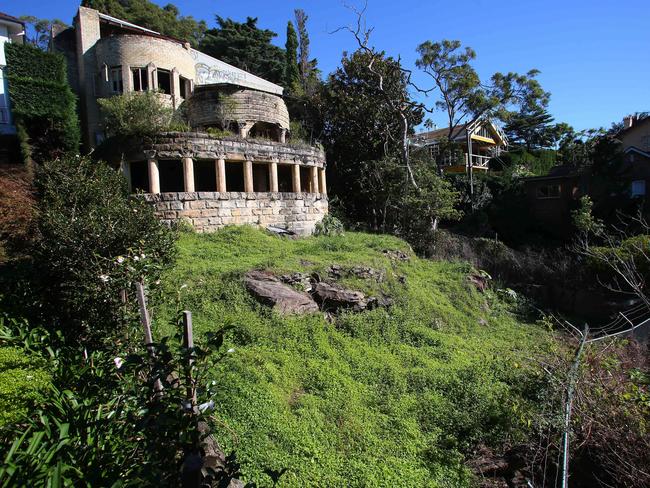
(104, 278)
(118, 362)
(136, 258)
(120, 259)
(231, 350)
(142, 256)
(157, 282)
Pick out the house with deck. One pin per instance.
(464, 148)
(11, 30)
(254, 175)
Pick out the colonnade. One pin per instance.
(317, 182)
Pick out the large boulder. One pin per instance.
(268, 289)
(332, 297)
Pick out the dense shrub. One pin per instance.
(136, 114)
(329, 226)
(95, 240)
(17, 210)
(43, 103)
(24, 378)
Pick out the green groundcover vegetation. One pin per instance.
(390, 397)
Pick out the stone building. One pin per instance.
(253, 177)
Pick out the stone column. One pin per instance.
(220, 166)
(154, 176)
(248, 176)
(188, 174)
(313, 173)
(283, 136)
(126, 171)
(323, 181)
(296, 178)
(273, 176)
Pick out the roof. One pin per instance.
(11, 18)
(558, 172)
(636, 123)
(209, 70)
(459, 132)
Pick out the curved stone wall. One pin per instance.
(283, 185)
(138, 51)
(208, 211)
(198, 145)
(211, 105)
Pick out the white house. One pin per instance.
(11, 30)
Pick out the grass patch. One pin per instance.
(389, 397)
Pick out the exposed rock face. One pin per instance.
(396, 254)
(364, 272)
(268, 289)
(333, 298)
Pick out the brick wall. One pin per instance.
(209, 211)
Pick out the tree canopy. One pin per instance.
(166, 20)
(246, 46)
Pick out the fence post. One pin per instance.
(188, 343)
(145, 319)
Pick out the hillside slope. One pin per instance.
(390, 397)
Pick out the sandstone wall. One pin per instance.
(201, 146)
(207, 107)
(209, 211)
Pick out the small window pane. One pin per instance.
(638, 188)
(115, 79)
(140, 79)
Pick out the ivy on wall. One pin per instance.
(42, 103)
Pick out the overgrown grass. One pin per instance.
(389, 397)
(24, 381)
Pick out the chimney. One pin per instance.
(628, 121)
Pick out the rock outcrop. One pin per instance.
(268, 289)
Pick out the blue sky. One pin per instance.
(594, 55)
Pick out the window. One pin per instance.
(115, 79)
(164, 81)
(638, 188)
(140, 79)
(184, 87)
(548, 191)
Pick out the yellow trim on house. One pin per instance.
(457, 169)
(489, 140)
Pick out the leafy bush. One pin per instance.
(43, 103)
(17, 210)
(329, 226)
(103, 426)
(24, 381)
(95, 240)
(140, 114)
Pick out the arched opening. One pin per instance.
(265, 130)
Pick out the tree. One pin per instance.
(462, 94)
(42, 30)
(361, 129)
(166, 20)
(291, 71)
(309, 72)
(531, 128)
(135, 114)
(246, 46)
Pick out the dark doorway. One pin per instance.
(305, 180)
(264, 130)
(234, 176)
(285, 178)
(139, 176)
(205, 176)
(261, 177)
(171, 175)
